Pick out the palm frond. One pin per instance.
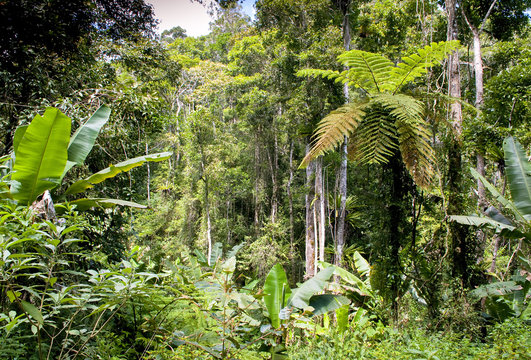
(417, 64)
(367, 70)
(332, 129)
(375, 139)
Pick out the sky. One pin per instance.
(189, 15)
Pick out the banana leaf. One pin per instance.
(324, 303)
(113, 170)
(85, 204)
(41, 156)
(300, 297)
(82, 142)
(519, 176)
(277, 291)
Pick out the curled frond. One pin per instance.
(333, 128)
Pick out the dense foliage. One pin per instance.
(190, 198)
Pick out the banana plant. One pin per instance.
(280, 300)
(518, 172)
(44, 152)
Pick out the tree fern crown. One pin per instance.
(385, 120)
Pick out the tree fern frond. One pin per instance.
(375, 139)
(367, 70)
(417, 152)
(402, 107)
(332, 129)
(327, 74)
(417, 64)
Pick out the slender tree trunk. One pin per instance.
(454, 78)
(320, 206)
(257, 184)
(274, 168)
(310, 227)
(207, 208)
(459, 248)
(340, 227)
(148, 178)
(478, 74)
(290, 201)
(209, 225)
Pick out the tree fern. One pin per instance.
(387, 121)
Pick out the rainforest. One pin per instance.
(329, 179)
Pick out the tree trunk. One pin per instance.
(148, 178)
(396, 231)
(310, 227)
(340, 226)
(207, 208)
(257, 184)
(320, 206)
(290, 202)
(454, 78)
(459, 248)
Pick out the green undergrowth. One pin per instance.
(508, 340)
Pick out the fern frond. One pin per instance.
(375, 139)
(367, 70)
(327, 74)
(332, 129)
(413, 135)
(417, 64)
(417, 152)
(402, 107)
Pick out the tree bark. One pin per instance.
(291, 222)
(320, 206)
(204, 177)
(340, 227)
(459, 248)
(310, 227)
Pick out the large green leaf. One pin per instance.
(499, 197)
(363, 287)
(362, 265)
(300, 297)
(518, 176)
(30, 309)
(19, 134)
(113, 170)
(83, 140)
(495, 288)
(40, 156)
(480, 221)
(324, 303)
(85, 204)
(277, 291)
